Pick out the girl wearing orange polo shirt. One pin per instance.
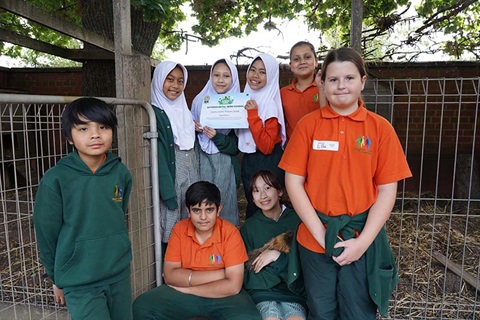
(301, 96)
(262, 143)
(342, 166)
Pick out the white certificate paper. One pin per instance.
(225, 111)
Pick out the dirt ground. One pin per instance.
(426, 289)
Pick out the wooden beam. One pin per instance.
(458, 270)
(26, 10)
(71, 54)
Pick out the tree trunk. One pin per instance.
(97, 16)
(356, 25)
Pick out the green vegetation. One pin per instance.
(155, 21)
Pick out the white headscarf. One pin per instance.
(207, 145)
(268, 101)
(177, 110)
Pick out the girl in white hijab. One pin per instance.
(262, 144)
(219, 148)
(177, 160)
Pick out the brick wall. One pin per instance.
(54, 81)
(68, 81)
(428, 132)
(441, 125)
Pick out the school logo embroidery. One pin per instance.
(215, 259)
(315, 98)
(363, 144)
(117, 194)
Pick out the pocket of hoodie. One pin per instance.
(96, 259)
(386, 276)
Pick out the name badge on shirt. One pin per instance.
(325, 145)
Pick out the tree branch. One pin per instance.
(454, 10)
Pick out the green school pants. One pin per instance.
(166, 303)
(108, 302)
(333, 291)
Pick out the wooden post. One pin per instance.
(133, 76)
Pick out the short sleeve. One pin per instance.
(174, 250)
(235, 252)
(296, 154)
(392, 164)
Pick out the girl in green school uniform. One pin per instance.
(177, 160)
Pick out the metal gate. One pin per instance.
(31, 143)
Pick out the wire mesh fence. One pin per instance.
(32, 142)
(434, 229)
(435, 226)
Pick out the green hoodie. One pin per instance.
(382, 275)
(166, 160)
(79, 219)
(278, 281)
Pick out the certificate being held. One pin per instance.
(225, 111)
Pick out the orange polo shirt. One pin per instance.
(265, 136)
(224, 248)
(297, 104)
(344, 159)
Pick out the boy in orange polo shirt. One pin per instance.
(203, 268)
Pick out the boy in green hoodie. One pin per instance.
(79, 217)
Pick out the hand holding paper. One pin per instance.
(225, 111)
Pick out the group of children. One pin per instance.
(340, 164)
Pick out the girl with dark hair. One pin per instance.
(272, 276)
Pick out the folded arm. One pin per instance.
(205, 283)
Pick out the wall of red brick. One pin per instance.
(54, 81)
(427, 131)
(68, 81)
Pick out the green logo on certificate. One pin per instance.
(225, 100)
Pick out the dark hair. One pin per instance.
(256, 59)
(303, 43)
(202, 191)
(178, 66)
(92, 109)
(219, 62)
(342, 55)
(269, 177)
